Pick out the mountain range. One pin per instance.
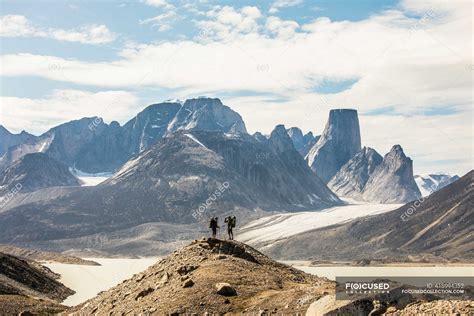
(438, 226)
(92, 146)
(174, 165)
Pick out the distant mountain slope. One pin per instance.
(352, 178)
(339, 142)
(302, 143)
(392, 180)
(33, 172)
(369, 177)
(185, 178)
(8, 139)
(433, 182)
(439, 225)
(92, 146)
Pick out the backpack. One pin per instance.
(233, 221)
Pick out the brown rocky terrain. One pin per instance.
(29, 287)
(218, 277)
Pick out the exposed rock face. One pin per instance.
(302, 143)
(243, 280)
(439, 225)
(209, 115)
(92, 146)
(339, 142)
(35, 171)
(149, 126)
(171, 180)
(433, 182)
(8, 139)
(392, 181)
(351, 179)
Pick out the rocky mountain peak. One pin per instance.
(280, 140)
(339, 142)
(351, 179)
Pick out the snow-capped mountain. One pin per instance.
(433, 182)
(339, 142)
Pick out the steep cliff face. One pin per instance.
(339, 142)
(92, 146)
(148, 126)
(207, 114)
(302, 143)
(392, 181)
(351, 179)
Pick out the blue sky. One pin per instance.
(405, 65)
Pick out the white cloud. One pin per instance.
(227, 23)
(410, 65)
(159, 4)
(284, 29)
(163, 21)
(19, 26)
(38, 115)
(277, 5)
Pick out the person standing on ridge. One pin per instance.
(213, 225)
(231, 221)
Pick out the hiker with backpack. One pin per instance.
(213, 225)
(231, 222)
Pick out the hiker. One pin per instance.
(213, 225)
(231, 221)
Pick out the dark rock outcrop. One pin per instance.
(339, 142)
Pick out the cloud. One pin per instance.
(227, 23)
(284, 29)
(163, 21)
(63, 105)
(159, 4)
(19, 26)
(277, 5)
(411, 65)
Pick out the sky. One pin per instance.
(405, 65)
